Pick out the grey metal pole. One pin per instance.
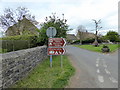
(61, 61)
(50, 60)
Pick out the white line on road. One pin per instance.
(113, 80)
(98, 71)
(97, 65)
(100, 78)
(104, 64)
(97, 60)
(107, 71)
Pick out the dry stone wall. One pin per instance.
(16, 65)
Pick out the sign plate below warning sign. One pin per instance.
(56, 51)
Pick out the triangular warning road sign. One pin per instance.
(56, 52)
(50, 44)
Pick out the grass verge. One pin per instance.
(113, 47)
(45, 77)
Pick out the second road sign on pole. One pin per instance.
(56, 42)
(56, 51)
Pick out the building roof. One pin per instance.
(23, 26)
(71, 37)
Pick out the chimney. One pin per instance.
(23, 16)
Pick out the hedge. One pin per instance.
(13, 43)
(86, 41)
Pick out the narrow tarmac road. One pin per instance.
(93, 70)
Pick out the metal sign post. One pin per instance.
(55, 45)
(61, 59)
(61, 62)
(50, 60)
(51, 32)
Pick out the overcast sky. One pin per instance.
(77, 12)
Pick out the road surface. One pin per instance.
(93, 70)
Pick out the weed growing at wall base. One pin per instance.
(45, 77)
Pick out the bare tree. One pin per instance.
(81, 29)
(97, 28)
(11, 17)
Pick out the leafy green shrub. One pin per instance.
(41, 40)
(76, 42)
(13, 43)
(105, 46)
(105, 49)
(113, 36)
(87, 41)
(18, 37)
(69, 41)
